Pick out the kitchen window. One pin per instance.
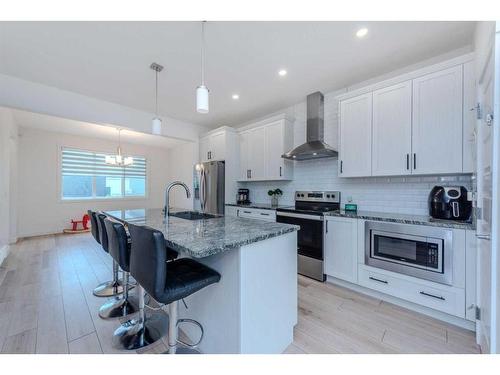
(85, 175)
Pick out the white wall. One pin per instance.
(397, 194)
(181, 160)
(40, 210)
(8, 144)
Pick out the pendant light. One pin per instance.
(202, 91)
(119, 159)
(156, 122)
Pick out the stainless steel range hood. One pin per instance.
(314, 148)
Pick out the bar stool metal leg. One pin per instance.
(119, 307)
(142, 331)
(110, 288)
(173, 332)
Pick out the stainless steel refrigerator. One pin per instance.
(209, 185)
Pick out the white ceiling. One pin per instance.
(60, 125)
(110, 60)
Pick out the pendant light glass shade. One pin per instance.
(202, 100)
(156, 126)
(119, 159)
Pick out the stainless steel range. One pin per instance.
(308, 213)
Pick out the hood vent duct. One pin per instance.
(315, 147)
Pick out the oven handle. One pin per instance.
(300, 216)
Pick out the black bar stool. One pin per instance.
(167, 283)
(108, 288)
(119, 249)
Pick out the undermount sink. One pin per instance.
(193, 215)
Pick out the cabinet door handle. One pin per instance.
(414, 161)
(341, 166)
(238, 213)
(326, 228)
(378, 280)
(408, 161)
(248, 173)
(280, 171)
(247, 212)
(262, 213)
(433, 296)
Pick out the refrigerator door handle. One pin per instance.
(202, 190)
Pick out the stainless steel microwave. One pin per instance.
(415, 250)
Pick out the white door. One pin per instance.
(204, 149)
(244, 155)
(437, 122)
(355, 159)
(257, 154)
(274, 150)
(485, 203)
(391, 144)
(218, 146)
(341, 248)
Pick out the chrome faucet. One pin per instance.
(167, 193)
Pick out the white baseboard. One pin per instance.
(406, 304)
(4, 251)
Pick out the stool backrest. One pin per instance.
(103, 235)
(118, 243)
(148, 259)
(94, 229)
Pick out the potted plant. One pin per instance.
(275, 194)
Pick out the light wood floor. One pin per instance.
(47, 306)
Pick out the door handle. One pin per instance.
(408, 161)
(455, 209)
(326, 227)
(414, 161)
(433, 296)
(341, 166)
(486, 237)
(280, 171)
(378, 280)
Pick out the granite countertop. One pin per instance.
(263, 206)
(202, 238)
(403, 218)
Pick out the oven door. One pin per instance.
(310, 235)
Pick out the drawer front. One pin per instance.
(439, 297)
(254, 213)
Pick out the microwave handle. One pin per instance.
(455, 209)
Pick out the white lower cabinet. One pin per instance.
(440, 297)
(341, 244)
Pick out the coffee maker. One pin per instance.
(449, 203)
(243, 196)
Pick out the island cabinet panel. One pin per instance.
(437, 122)
(391, 144)
(341, 248)
(355, 156)
(261, 149)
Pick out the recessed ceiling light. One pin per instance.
(362, 32)
(235, 96)
(282, 72)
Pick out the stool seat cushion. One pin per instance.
(184, 277)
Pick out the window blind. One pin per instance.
(86, 163)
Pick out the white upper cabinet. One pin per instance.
(261, 149)
(437, 122)
(391, 143)
(421, 123)
(356, 136)
(213, 146)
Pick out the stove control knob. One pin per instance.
(328, 195)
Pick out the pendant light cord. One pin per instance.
(203, 53)
(156, 94)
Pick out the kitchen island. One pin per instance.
(253, 308)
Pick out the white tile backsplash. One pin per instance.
(406, 195)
